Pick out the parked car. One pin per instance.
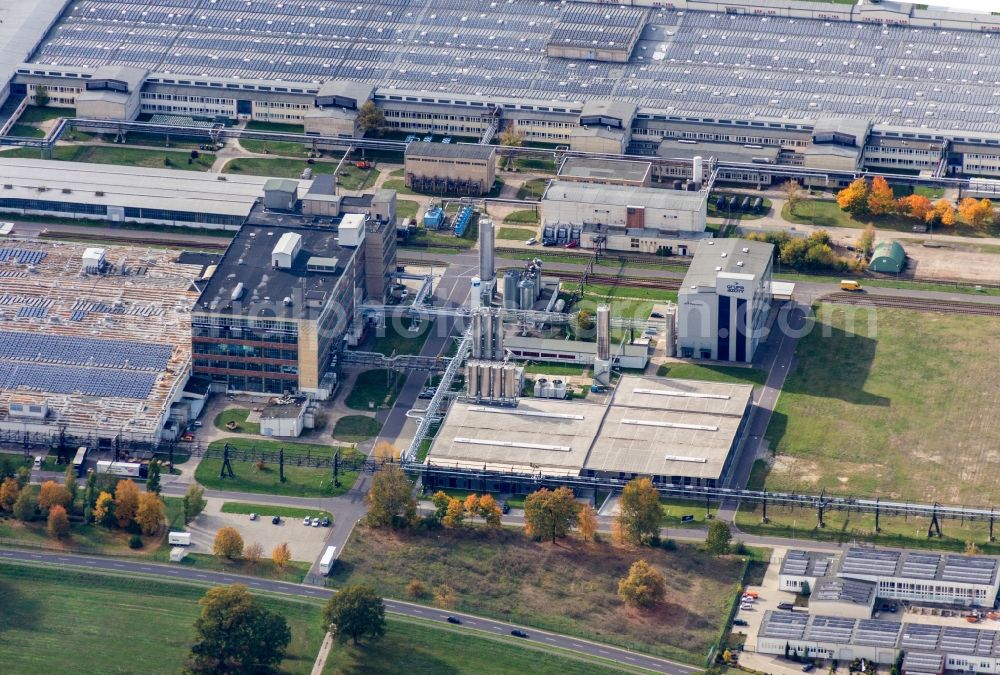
(307, 521)
(276, 520)
(454, 619)
(519, 633)
(427, 392)
(657, 315)
(197, 424)
(316, 522)
(531, 242)
(505, 508)
(253, 516)
(326, 522)
(746, 606)
(549, 242)
(808, 668)
(740, 622)
(786, 605)
(573, 244)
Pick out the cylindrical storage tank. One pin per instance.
(510, 295)
(604, 332)
(497, 337)
(547, 390)
(560, 305)
(558, 389)
(540, 386)
(496, 385)
(477, 335)
(698, 169)
(527, 294)
(476, 294)
(470, 379)
(486, 249)
(510, 388)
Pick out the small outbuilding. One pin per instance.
(888, 257)
(281, 194)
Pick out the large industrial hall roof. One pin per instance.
(685, 63)
(652, 426)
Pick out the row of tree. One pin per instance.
(862, 198)
(228, 544)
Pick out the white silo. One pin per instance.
(476, 294)
(541, 384)
(604, 332)
(559, 389)
(698, 168)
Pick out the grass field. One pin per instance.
(627, 302)
(238, 415)
(544, 368)
(728, 374)
(300, 481)
(423, 237)
(407, 208)
(26, 131)
(399, 339)
(260, 125)
(569, 588)
(516, 233)
(532, 189)
(120, 625)
(356, 428)
(537, 164)
(353, 178)
(374, 387)
(272, 510)
(96, 154)
(899, 407)
(526, 216)
(288, 148)
(399, 185)
(427, 649)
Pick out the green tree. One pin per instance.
(718, 538)
(24, 506)
(644, 586)
(370, 118)
(854, 197)
(440, 501)
(511, 137)
(236, 634)
(90, 492)
(550, 513)
(866, 242)
(391, 500)
(641, 514)
(69, 482)
(355, 612)
(153, 480)
(793, 194)
(584, 321)
(193, 502)
(42, 96)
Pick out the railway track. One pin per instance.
(126, 237)
(915, 304)
(584, 256)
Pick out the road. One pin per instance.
(132, 567)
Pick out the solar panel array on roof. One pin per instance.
(830, 629)
(969, 569)
(34, 347)
(922, 662)
(876, 632)
(833, 589)
(795, 562)
(73, 380)
(920, 636)
(920, 565)
(786, 625)
(686, 63)
(870, 562)
(21, 256)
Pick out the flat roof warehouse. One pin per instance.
(684, 63)
(654, 426)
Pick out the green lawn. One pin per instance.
(123, 155)
(34, 114)
(279, 127)
(399, 185)
(423, 237)
(541, 368)
(569, 588)
(433, 649)
(727, 374)
(625, 301)
(376, 387)
(969, 288)
(537, 164)
(356, 428)
(516, 233)
(532, 189)
(353, 178)
(526, 216)
(278, 168)
(26, 131)
(398, 338)
(286, 148)
(896, 406)
(268, 510)
(300, 481)
(119, 624)
(406, 208)
(238, 415)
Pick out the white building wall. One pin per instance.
(289, 427)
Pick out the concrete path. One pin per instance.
(324, 652)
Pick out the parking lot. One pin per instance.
(306, 543)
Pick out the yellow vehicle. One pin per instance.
(849, 285)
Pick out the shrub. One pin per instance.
(416, 589)
(135, 541)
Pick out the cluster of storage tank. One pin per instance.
(546, 388)
(522, 288)
(560, 234)
(493, 380)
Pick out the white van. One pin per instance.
(38, 462)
